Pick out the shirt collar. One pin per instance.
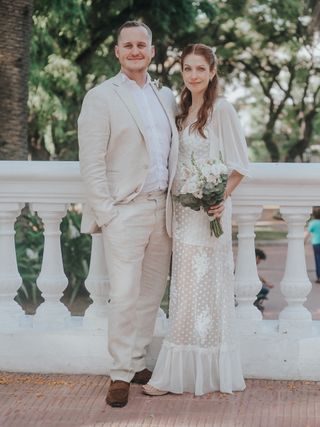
(125, 79)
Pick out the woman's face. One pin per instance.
(196, 73)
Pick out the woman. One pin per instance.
(199, 354)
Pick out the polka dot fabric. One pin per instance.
(199, 353)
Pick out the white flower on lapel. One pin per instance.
(157, 83)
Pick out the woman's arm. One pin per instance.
(233, 148)
(233, 181)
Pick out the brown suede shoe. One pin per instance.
(142, 377)
(118, 393)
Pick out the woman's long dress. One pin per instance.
(199, 353)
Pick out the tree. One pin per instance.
(260, 44)
(266, 45)
(15, 24)
(72, 50)
(305, 107)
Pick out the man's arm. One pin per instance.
(93, 134)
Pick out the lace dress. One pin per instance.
(199, 353)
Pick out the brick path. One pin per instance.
(78, 400)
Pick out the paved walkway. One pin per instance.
(78, 400)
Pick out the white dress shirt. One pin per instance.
(158, 133)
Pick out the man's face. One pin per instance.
(134, 50)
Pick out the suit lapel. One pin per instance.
(169, 116)
(129, 103)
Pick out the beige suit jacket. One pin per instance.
(113, 151)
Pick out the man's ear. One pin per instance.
(116, 51)
(153, 51)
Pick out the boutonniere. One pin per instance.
(157, 83)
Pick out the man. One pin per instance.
(128, 155)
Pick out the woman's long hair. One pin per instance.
(210, 94)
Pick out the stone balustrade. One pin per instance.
(54, 341)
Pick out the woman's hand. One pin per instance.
(216, 211)
(233, 181)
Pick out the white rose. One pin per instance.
(198, 193)
(31, 254)
(192, 185)
(212, 179)
(206, 170)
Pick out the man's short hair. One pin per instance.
(131, 24)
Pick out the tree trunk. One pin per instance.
(304, 142)
(297, 150)
(15, 24)
(267, 138)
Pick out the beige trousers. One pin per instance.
(138, 251)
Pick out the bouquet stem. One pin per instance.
(215, 227)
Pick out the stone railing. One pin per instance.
(54, 341)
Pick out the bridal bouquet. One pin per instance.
(203, 185)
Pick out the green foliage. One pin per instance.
(265, 45)
(76, 249)
(189, 200)
(29, 250)
(72, 50)
(271, 49)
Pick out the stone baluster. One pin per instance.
(10, 280)
(51, 314)
(247, 282)
(295, 284)
(97, 284)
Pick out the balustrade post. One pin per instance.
(295, 284)
(97, 284)
(51, 314)
(10, 279)
(247, 282)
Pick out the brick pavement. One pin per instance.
(78, 400)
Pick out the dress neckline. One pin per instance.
(186, 127)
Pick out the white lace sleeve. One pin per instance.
(232, 142)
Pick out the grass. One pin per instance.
(265, 233)
(270, 234)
